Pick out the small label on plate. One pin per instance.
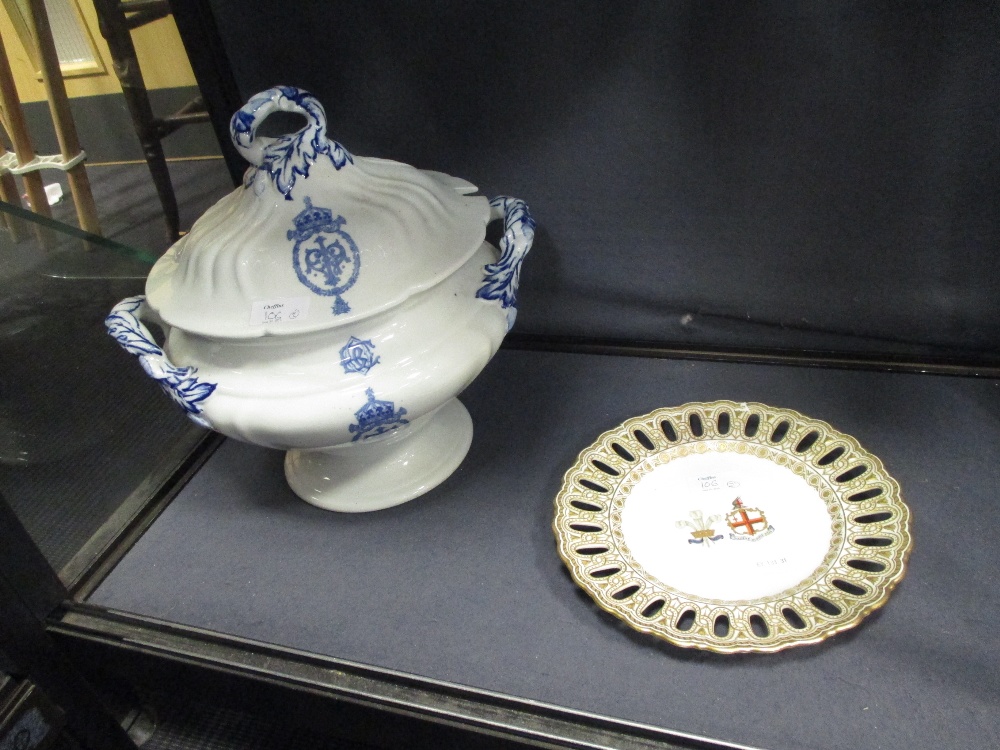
(277, 311)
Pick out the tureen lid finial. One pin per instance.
(287, 157)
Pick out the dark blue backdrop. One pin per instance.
(762, 174)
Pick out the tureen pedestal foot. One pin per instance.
(379, 473)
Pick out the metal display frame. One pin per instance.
(29, 592)
(82, 627)
(141, 647)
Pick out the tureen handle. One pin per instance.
(289, 156)
(125, 325)
(502, 278)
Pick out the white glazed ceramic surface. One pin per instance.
(725, 491)
(333, 307)
(411, 230)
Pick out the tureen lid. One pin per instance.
(315, 237)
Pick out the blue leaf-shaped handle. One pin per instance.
(501, 278)
(290, 156)
(125, 325)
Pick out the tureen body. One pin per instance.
(333, 307)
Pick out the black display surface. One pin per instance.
(805, 170)
(465, 586)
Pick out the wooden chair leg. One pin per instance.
(115, 29)
(9, 194)
(62, 117)
(17, 129)
(157, 164)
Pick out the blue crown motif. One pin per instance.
(376, 417)
(325, 257)
(311, 220)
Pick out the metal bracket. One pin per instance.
(8, 163)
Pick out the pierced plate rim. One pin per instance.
(869, 494)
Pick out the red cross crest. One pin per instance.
(742, 520)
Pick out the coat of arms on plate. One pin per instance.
(747, 524)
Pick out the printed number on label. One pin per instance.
(277, 311)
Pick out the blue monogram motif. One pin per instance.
(376, 418)
(358, 356)
(325, 257)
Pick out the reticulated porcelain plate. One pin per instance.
(732, 527)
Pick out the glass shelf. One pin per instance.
(74, 464)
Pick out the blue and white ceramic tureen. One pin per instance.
(333, 307)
